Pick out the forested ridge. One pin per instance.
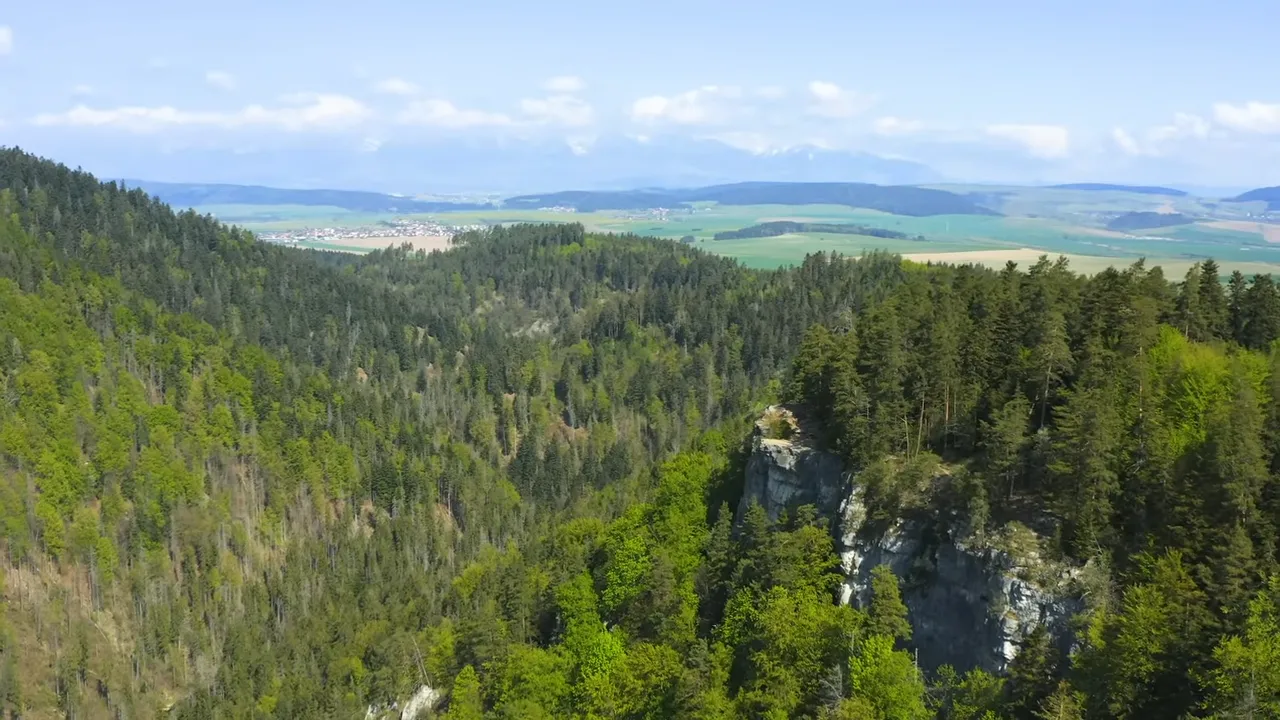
(894, 199)
(241, 480)
(774, 228)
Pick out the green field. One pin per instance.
(1045, 220)
(267, 218)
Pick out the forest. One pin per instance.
(244, 480)
(895, 199)
(1147, 221)
(775, 228)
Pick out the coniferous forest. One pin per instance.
(239, 480)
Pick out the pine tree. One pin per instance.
(1213, 302)
(1063, 704)
(1189, 314)
(1086, 436)
(887, 614)
(1261, 313)
(1032, 673)
(812, 368)
(1236, 306)
(881, 367)
(1004, 440)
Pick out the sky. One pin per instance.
(1178, 91)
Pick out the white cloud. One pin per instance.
(831, 100)
(6, 39)
(559, 110)
(396, 86)
(707, 105)
(1156, 141)
(771, 92)
(1042, 141)
(1252, 117)
(580, 145)
(753, 142)
(304, 111)
(1125, 141)
(82, 90)
(890, 125)
(221, 80)
(1184, 126)
(442, 113)
(565, 84)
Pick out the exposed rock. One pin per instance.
(423, 699)
(970, 601)
(785, 473)
(426, 698)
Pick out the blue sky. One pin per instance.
(1131, 91)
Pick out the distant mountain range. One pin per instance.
(895, 199)
(1269, 195)
(1107, 187)
(498, 166)
(898, 200)
(196, 195)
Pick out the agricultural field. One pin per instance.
(267, 218)
(1035, 221)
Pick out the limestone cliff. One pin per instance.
(787, 470)
(423, 700)
(970, 600)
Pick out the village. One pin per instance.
(390, 229)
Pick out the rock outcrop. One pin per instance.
(423, 699)
(787, 472)
(970, 601)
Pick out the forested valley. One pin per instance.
(244, 480)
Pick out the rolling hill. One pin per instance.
(1107, 187)
(895, 199)
(1147, 221)
(198, 195)
(1269, 195)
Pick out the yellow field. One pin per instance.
(419, 242)
(1269, 231)
(1085, 264)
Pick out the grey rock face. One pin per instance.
(785, 474)
(423, 699)
(970, 604)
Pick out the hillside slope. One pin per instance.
(896, 199)
(1269, 195)
(1107, 187)
(184, 195)
(241, 480)
(1147, 221)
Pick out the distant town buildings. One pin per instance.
(393, 229)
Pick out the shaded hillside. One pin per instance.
(196, 195)
(1269, 195)
(1147, 221)
(247, 481)
(895, 199)
(785, 227)
(1106, 187)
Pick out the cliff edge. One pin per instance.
(971, 599)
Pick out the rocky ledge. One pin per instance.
(971, 601)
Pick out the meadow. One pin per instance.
(1037, 221)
